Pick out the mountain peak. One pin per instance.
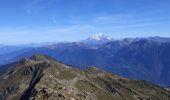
(40, 57)
(99, 37)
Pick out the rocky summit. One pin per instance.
(43, 78)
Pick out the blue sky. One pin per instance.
(35, 21)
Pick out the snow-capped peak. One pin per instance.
(99, 37)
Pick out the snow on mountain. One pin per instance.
(97, 39)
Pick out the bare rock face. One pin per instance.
(43, 78)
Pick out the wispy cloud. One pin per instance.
(38, 5)
(103, 23)
(70, 29)
(126, 20)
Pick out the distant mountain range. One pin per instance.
(134, 58)
(43, 78)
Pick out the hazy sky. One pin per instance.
(30, 21)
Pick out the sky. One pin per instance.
(38, 21)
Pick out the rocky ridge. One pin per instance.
(43, 78)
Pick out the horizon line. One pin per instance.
(38, 43)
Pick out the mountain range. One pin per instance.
(134, 58)
(43, 78)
